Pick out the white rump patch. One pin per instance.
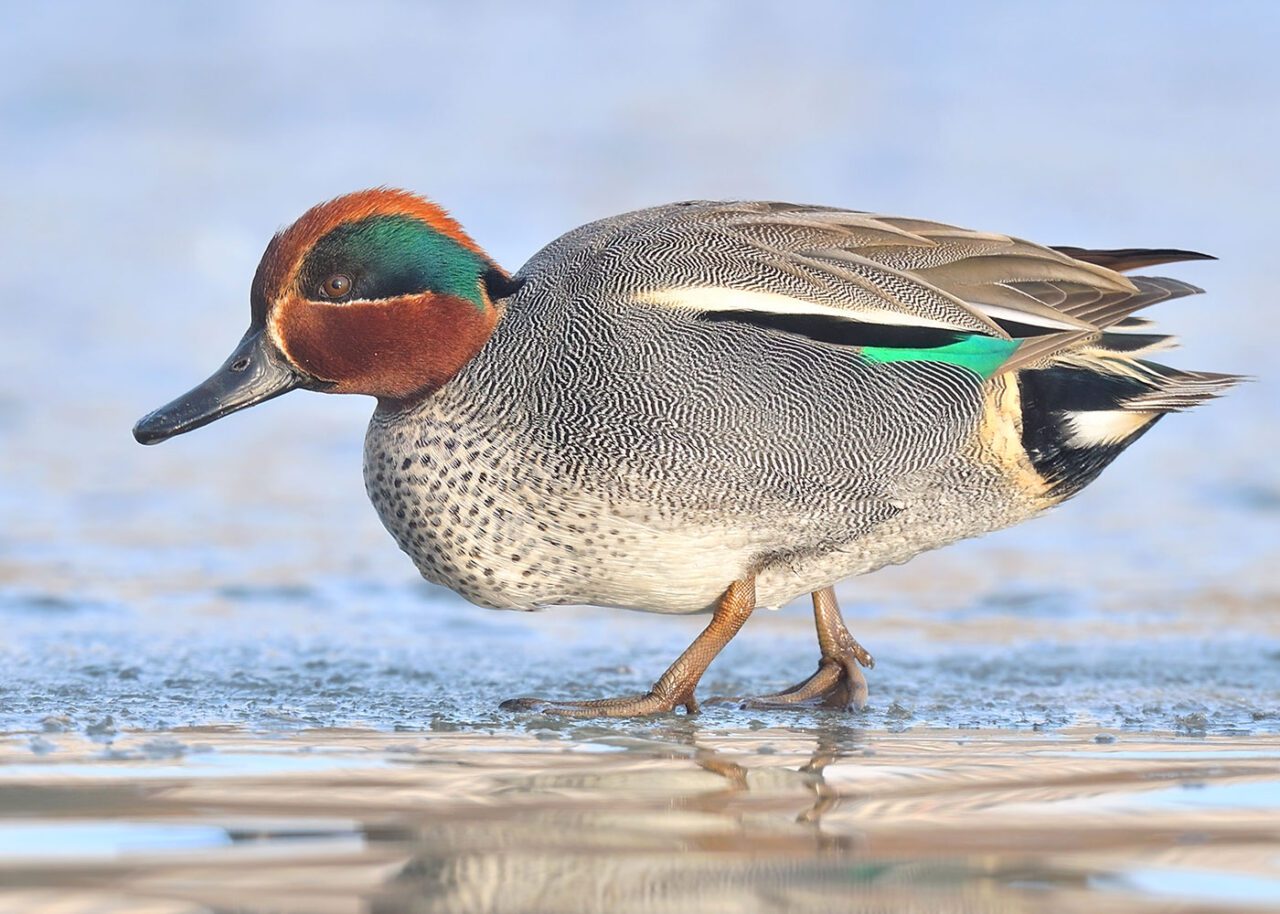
(719, 298)
(1105, 426)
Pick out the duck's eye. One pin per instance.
(336, 286)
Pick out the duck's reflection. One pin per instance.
(830, 746)
(671, 819)
(685, 824)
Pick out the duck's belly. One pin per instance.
(507, 530)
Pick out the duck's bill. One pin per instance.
(255, 372)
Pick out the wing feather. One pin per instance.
(1124, 259)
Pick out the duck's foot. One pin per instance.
(675, 688)
(838, 683)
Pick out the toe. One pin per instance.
(634, 706)
(524, 704)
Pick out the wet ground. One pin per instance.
(224, 690)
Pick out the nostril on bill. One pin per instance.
(240, 364)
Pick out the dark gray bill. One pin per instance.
(255, 372)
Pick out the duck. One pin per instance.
(703, 407)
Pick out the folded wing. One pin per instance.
(886, 282)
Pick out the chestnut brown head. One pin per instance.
(378, 292)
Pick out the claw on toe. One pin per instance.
(524, 704)
(863, 656)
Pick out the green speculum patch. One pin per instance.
(982, 355)
(389, 256)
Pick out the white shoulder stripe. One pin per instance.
(719, 298)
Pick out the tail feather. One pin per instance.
(1133, 323)
(1180, 390)
(1135, 345)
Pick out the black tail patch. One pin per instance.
(1050, 397)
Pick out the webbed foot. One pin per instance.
(838, 683)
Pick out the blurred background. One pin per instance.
(148, 151)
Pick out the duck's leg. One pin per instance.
(838, 682)
(675, 687)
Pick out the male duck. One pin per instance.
(703, 406)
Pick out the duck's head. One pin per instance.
(378, 292)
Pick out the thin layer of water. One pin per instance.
(793, 819)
